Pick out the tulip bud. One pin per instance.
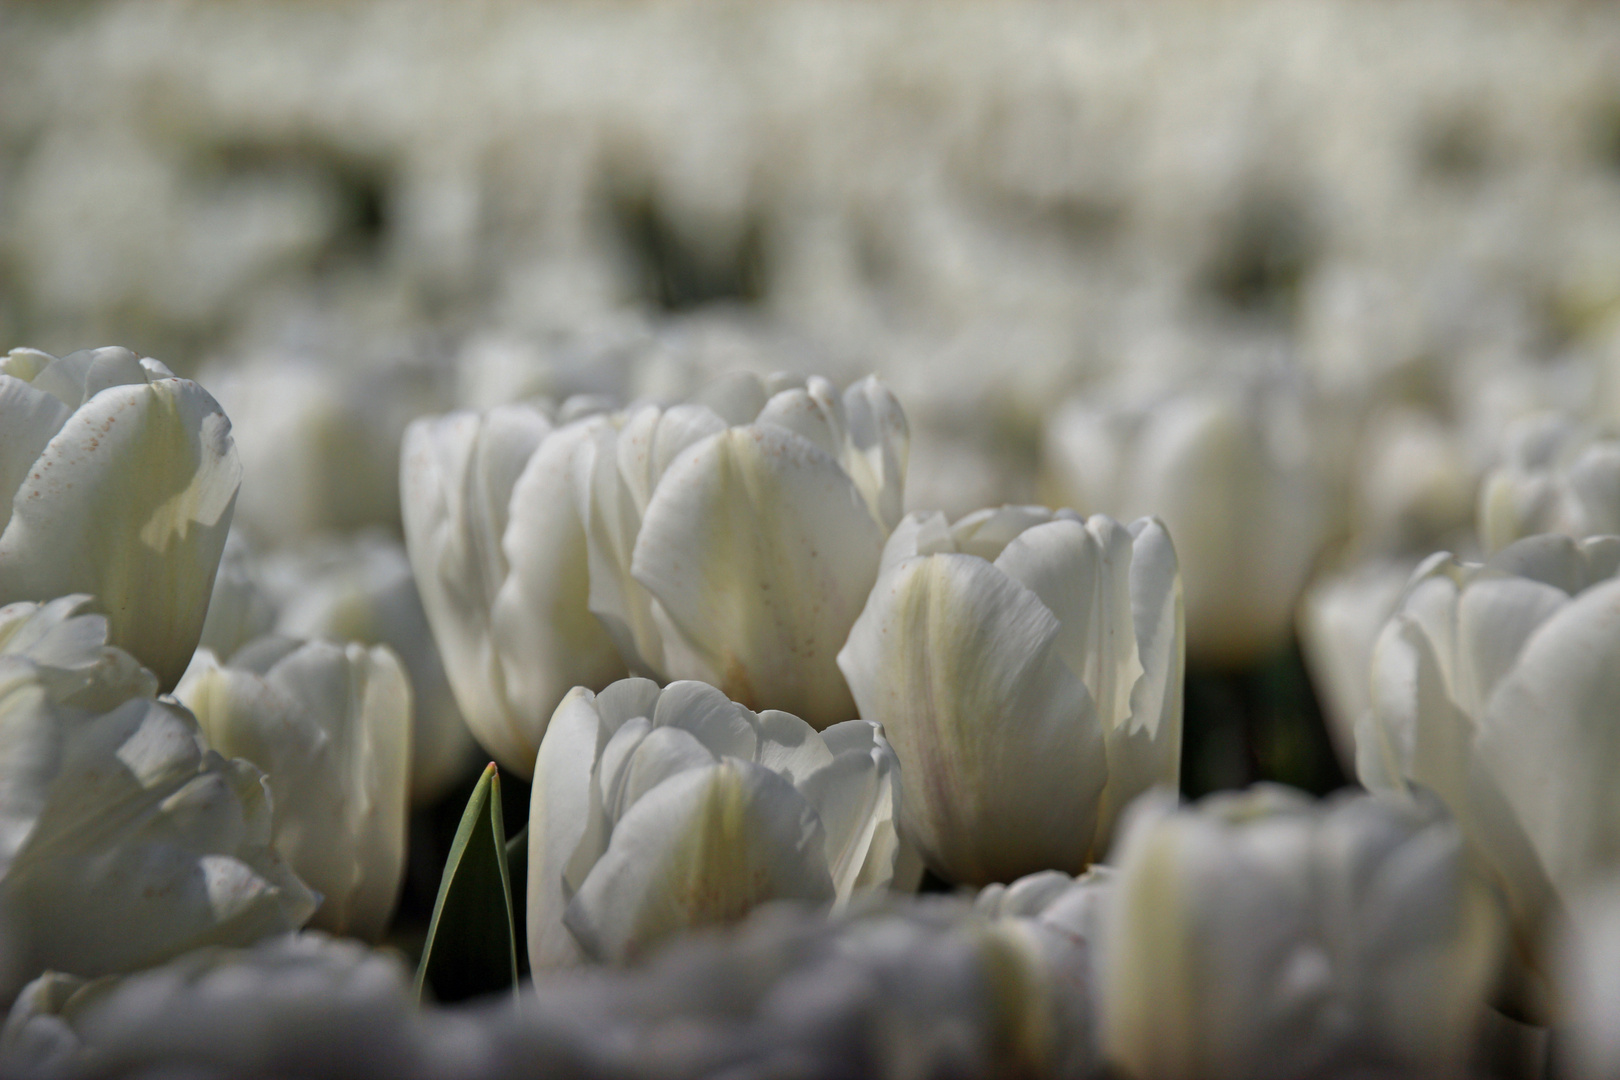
(1027, 667)
(657, 810)
(1260, 935)
(116, 479)
(733, 539)
(124, 840)
(1557, 476)
(499, 556)
(330, 725)
(1494, 685)
(1233, 477)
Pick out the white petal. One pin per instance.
(719, 723)
(29, 418)
(130, 501)
(856, 797)
(704, 847)
(559, 813)
(879, 445)
(1001, 750)
(919, 533)
(760, 552)
(791, 747)
(986, 532)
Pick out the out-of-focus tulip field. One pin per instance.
(809, 539)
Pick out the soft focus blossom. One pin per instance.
(499, 555)
(733, 538)
(330, 725)
(1233, 473)
(657, 810)
(116, 479)
(1556, 476)
(1589, 985)
(124, 839)
(1027, 666)
(1494, 685)
(1340, 617)
(1412, 485)
(1261, 935)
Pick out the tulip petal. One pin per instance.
(759, 551)
(718, 722)
(879, 444)
(29, 417)
(704, 847)
(999, 743)
(561, 805)
(791, 747)
(854, 796)
(130, 501)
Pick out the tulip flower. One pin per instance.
(499, 556)
(1027, 667)
(1233, 476)
(330, 725)
(1260, 935)
(1589, 985)
(733, 539)
(1556, 476)
(116, 479)
(1494, 686)
(124, 839)
(657, 810)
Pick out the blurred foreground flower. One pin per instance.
(1027, 666)
(331, 726)
(499, 556)
(116, 479)
(1495, 685)
(733, 539)
(1589, 984)
(1260, 935)
(657, 810)
(1234, 475)
(910, 987)
(124, 840)
(1557, 476)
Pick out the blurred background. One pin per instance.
(1282, 273)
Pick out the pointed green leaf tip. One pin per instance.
(471, 946)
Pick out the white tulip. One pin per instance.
(1556, 476)
(657, 810)
(1232, 474)
(1495, 685)
(500, 558)
(330, 725)
(124, 839)
(1340, 617)
(733, 539)
(116, 479)
(1261, 935)
(1589, 985)
(1027, 666)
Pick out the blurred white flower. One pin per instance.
(116, 479)
(1589, 985)
(124, 839)
(1494, 685)
(499, 555)
(1027, 666)
(657, 810)
(1413, 483)
(1340, 616)
(1234, 474)
(1259, 934)
(733, 539)
(330, 725)
(1557, 475)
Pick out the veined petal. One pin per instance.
(999, 743)
(130, 501)
(760, 552)
(704, 847)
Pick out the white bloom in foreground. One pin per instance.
(733, 538)
(1259, 934)
(1589, 985)
(361, 589)
(124, 840)
(330, 725)
(1557, 476)
(1233, 476)
(657, 810)
(1340, 617)
(1495, 685)
(1027, 667)
(499, 556)
(116, 479)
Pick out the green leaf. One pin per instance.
(471, 946)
